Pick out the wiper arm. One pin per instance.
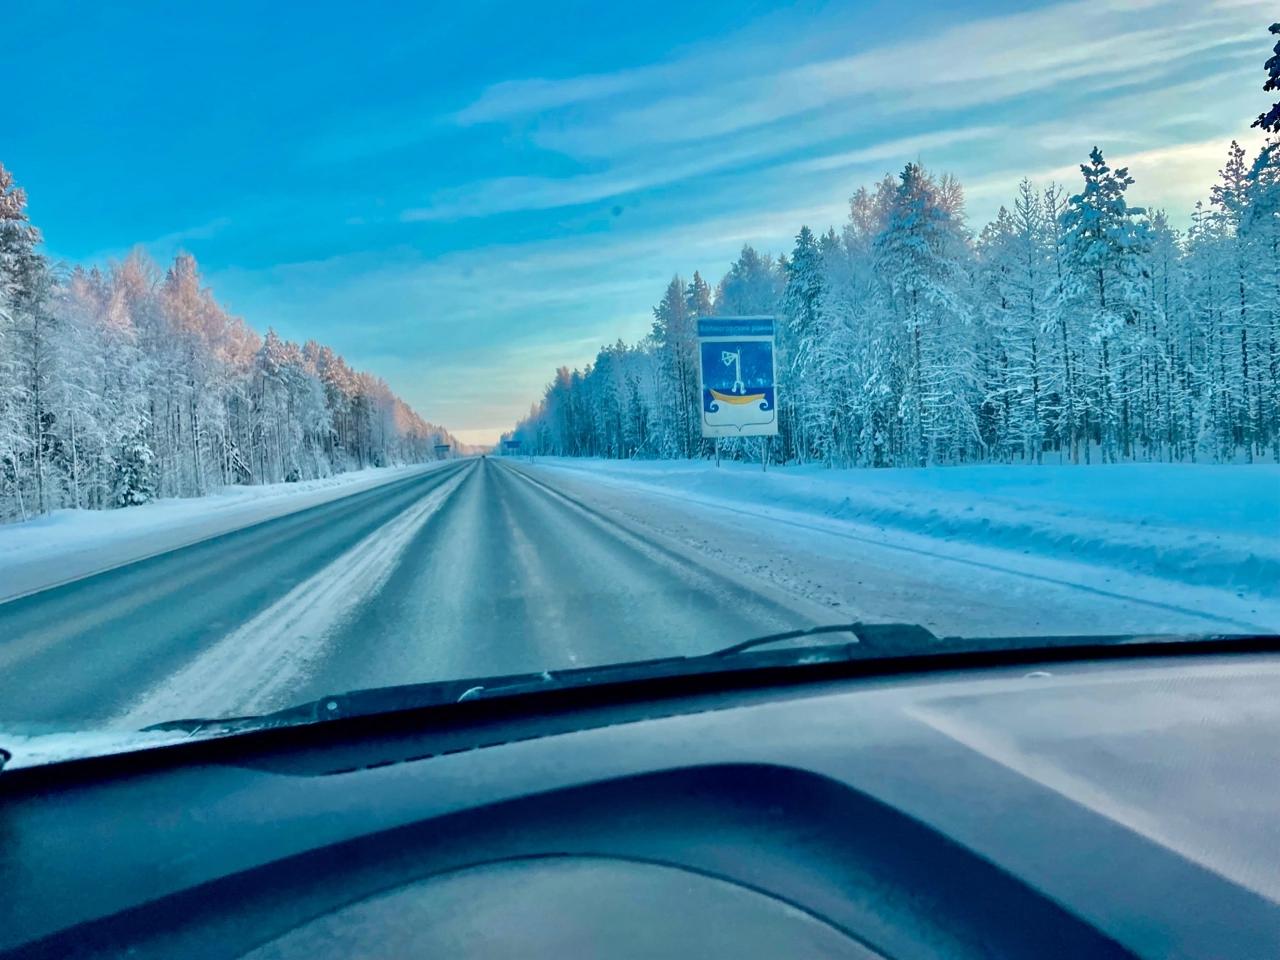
(907, 637)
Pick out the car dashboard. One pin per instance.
(1071, 808)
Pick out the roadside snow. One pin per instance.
(69, 544)
(1202, 525)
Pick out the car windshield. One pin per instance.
(347, 351)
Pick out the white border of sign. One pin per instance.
(714, 431)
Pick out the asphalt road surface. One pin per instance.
(494, 566)
(472, 569)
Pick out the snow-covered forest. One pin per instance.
(1074, 327)
(125, 383)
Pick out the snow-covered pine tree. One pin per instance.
(752, 287)
(831, 355)
(1105, 246)
(876, 361)
(1164, 352)
(1261, 227)
(1269, 120)
(675, 340)
(1239, 318)
(802, 307)
(1014, 278)
(922, 257)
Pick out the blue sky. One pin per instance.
(461, 197)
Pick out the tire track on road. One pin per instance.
(252, 668)
(85, 650)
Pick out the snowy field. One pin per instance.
(1167, 533)
(68, 544)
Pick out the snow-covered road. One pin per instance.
(482, 567)
(69, 544)
(975, 551)
(470, 569)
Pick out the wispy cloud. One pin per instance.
(504, 194)
(507, 194)
(704, 115)
(517, 98)
(167, 244)
(980, 62)
(892, 151)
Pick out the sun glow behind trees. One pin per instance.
(123, 384)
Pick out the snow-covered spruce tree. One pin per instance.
(807, 417)
(674, 338)
(1028, 298)
(1269, 120)
(1105, 246)
(833, 351)
(1240, 321)
(876, 358)
(1260, 226)
(1210, 413)
(1260, 232)
(1167, 367)
(1064, 338)
(922, 257)
(1014, 281)
(752, 287)
(842, 355)
(698, 303)
(697, 297)
(134, 476)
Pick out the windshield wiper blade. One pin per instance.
(903, 643)
(909, 637)
(869, 640)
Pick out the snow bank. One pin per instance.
(69, 544)
(1207, 525)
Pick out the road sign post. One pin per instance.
(442, 450)
(737, 379)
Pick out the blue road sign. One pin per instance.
(736, 377)
(511, 444)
